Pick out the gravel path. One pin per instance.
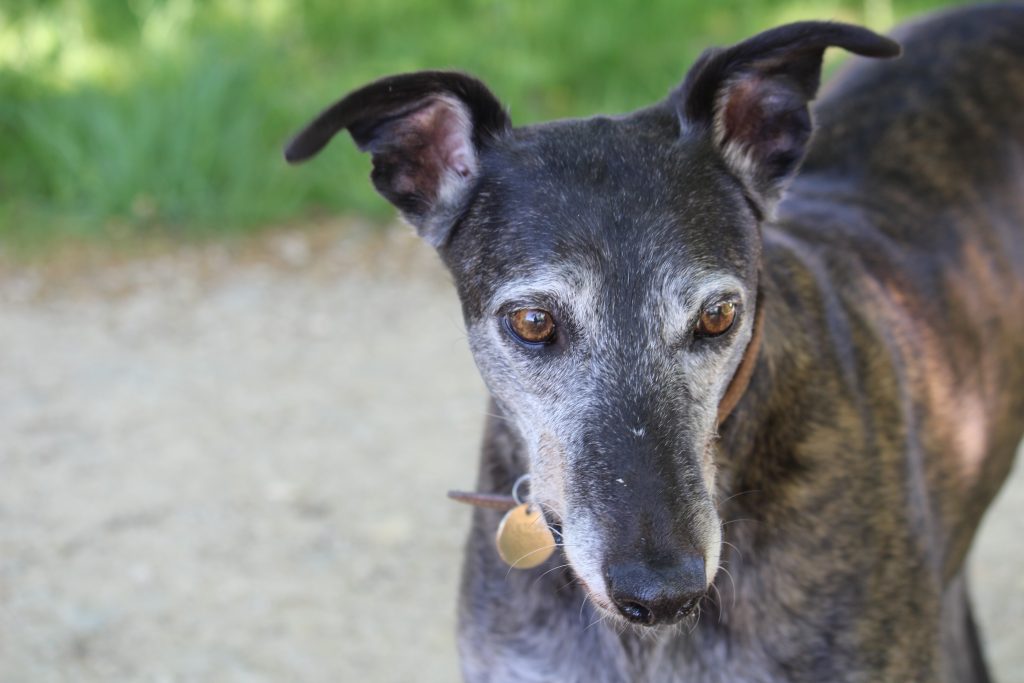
(228, 463)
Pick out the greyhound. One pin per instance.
(765, 382)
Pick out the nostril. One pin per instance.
(636, 612)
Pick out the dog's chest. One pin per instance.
(613, 657)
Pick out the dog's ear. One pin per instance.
(752, 98)
(425, 131)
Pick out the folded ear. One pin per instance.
(753, 98)
(425, 131)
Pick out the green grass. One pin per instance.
(121, 117)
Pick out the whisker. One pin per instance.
(542, 519)
(718, 602)
(722, 567)
(738, 551)
(601, 617)
(553, 569)
(583, 604)
(512, 565)
(737, 495)
(695, 621)
(496, 416)
(547, 508)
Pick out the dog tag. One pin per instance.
(524, 539)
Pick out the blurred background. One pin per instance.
(233, 393)
(121, 117)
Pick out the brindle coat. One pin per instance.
(887, 398)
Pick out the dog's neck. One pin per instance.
(763, 464)
(744, 372)
(751, 454)
(752, 451)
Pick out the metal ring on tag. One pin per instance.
(515, 488)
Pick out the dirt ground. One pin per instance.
(228, 463)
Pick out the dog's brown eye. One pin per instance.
(532, 325)
(716, 319)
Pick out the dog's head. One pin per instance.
(608, 271)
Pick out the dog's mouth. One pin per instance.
(635, 589)
(638, 587)
(634, 612)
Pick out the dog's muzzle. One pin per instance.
(657, 593)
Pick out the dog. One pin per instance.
(764, 382)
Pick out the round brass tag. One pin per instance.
(524, 539)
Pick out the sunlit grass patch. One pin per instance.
(170, 115)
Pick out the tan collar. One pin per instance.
(741, 379)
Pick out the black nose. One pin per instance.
(657, 593)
